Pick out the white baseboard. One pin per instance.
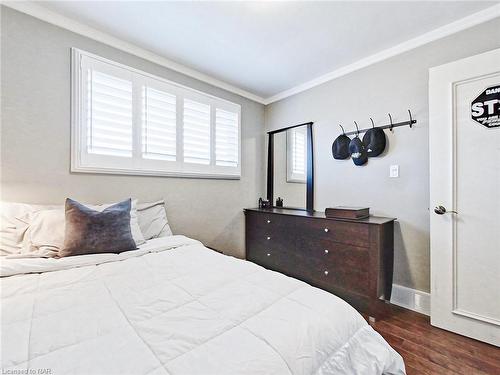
(412, 299)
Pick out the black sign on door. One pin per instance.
(485, 109)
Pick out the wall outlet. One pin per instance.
(394, 171)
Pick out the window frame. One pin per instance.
(84, 162)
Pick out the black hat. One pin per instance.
(374, 141)
(358, 152)
(340, 147)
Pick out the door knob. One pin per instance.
(441, 210)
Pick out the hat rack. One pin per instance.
(389, 126)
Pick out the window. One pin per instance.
(126, 121)
(296, 146)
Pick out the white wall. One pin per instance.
(393, 85)
(35, 139)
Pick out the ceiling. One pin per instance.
(265, 48)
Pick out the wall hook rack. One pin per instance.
(389, 126)
(411, 120)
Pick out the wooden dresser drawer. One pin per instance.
(338, 255)
(344, 279)
(267, 241)
(263, 255)
(275, 230)
(267, 221)
(273, 255)
(337, 231)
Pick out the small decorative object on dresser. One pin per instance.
(350, 258)
(264, 203)
(343, 212)
(279, 202)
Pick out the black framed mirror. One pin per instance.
(290, 167)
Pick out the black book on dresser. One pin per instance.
(350, 258)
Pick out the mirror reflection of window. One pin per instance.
(296, 140)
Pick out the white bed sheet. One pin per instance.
(176, 307)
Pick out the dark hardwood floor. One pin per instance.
(430, 350)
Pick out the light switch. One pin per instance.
(394, 171)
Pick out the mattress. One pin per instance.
(175, 307)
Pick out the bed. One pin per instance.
(176, 307)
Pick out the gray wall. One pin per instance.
(35, 139)
(36, 131)
(393, 85)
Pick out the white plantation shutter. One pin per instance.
(196, 132)
(110, 115)
(226, 138)
(299, 152)
(126, 121)
(296, 154)
(159, 125)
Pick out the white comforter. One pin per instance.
(175, 307)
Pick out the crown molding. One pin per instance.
(441, 32)
(59, 20)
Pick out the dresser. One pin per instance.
(350, 258)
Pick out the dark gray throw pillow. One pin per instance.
(91, 232)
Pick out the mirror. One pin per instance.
(290, 163)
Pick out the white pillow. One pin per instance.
(11, 228)
(153, 219)
(45, 233)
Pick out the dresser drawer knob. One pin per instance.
(326, 273)
(268, 221)
(268, 238)
(327, 230)
(326, 251)
(268, 254)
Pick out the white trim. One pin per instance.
(412, 299)
(75, 160)
(143, 172)
(57, 19)
(474, 19)
(46, 15)
(482, 318)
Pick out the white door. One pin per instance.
(464, 129)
